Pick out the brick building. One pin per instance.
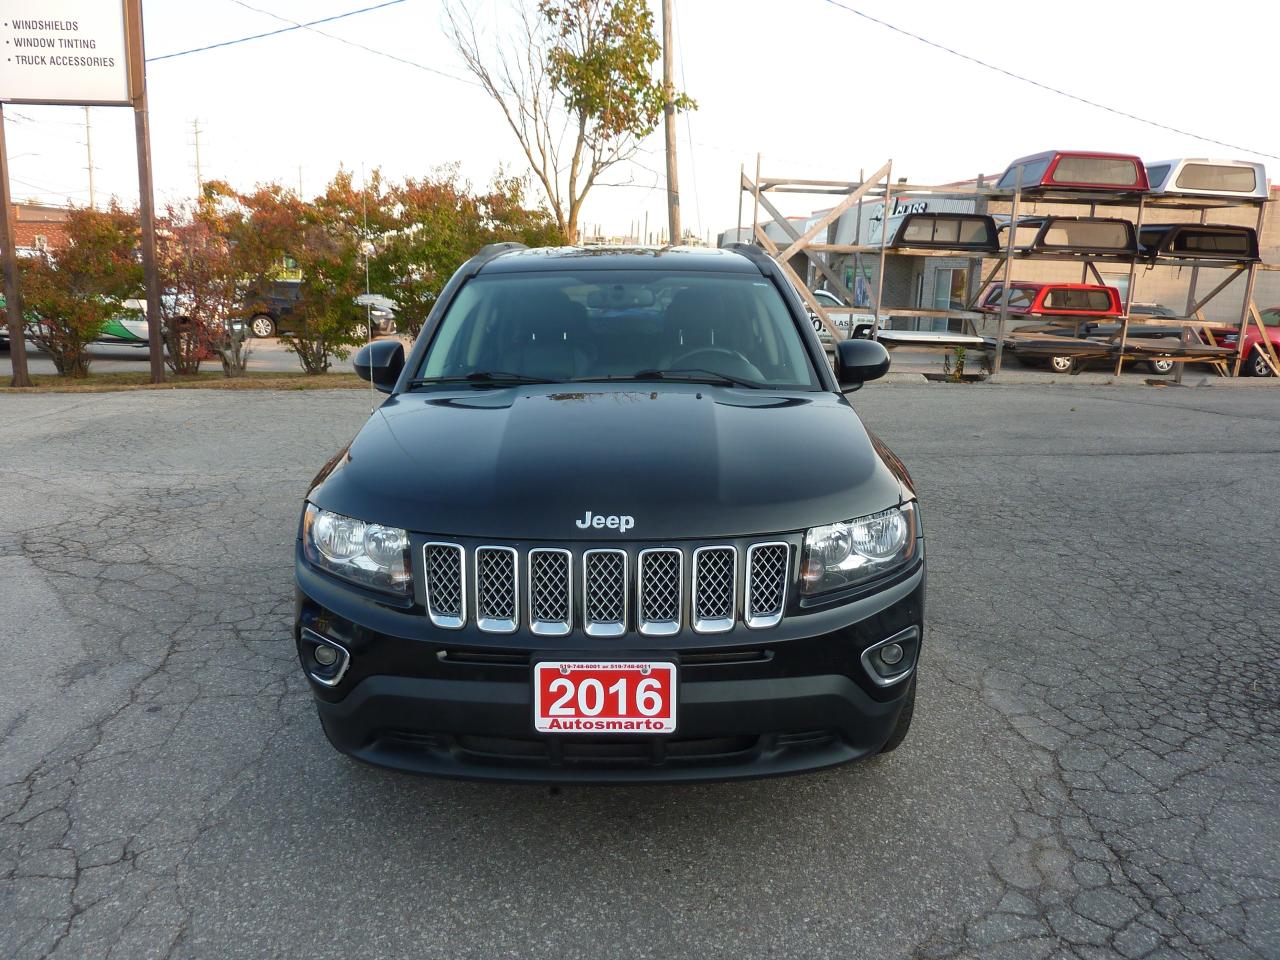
(38, 227)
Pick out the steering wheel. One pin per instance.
(704, 358)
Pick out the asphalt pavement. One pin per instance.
(1094, 768)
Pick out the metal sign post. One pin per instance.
(85, 53)
(146, 197)
(12, 296)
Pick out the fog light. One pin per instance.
(893, 659)
(890, 653)
(326, 661)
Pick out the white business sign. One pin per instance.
(64, 51)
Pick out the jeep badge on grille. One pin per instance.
(622, 522)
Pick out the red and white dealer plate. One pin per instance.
(606, 696)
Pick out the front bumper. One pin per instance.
(751, 703)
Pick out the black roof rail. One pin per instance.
(754, 253)
(490, 251)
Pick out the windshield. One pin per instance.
(625, 324)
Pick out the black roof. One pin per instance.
(694, 259)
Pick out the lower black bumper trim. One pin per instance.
(731, 729)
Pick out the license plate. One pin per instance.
(611, 696)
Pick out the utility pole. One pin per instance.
(669, 124)
(195, 129)
(88, 146)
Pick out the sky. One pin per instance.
(815, 90)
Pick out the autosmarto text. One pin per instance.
(575, 723)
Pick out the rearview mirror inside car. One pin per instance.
(380, 362)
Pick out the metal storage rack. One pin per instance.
(880, 186)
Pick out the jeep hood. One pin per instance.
(684, 460)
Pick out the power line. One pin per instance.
(1044, 86)
(45, 189)
(358, 46)
(272, 33)
(23, 118)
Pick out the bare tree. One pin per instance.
(574, 80)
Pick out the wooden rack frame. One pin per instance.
(880, 186)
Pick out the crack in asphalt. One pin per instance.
(1109, 662)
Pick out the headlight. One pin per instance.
(365, 553)
(845, 554)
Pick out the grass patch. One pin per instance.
(206, 380)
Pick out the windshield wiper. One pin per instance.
(484, 378)
(699, 375)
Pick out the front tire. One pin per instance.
(904, 721)
(1062, 364)
(361, 331)
(1256, 365)
(1161, 368)
(262, 326)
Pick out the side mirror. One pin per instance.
(381, 363)
(858, 361)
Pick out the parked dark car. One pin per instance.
(1076, 310)
(570, 546)
(30, 318)
(272, 311)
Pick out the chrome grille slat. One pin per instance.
(550, 591)
(492, 582)
(659, 591)
(604, 592)
(767, 568)
(445, 576)
(715, 577)
(497, 589)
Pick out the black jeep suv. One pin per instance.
(615, 521)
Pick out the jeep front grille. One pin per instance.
(446, 581)
(550, 604)
(604, 593)
(497, 590)
(550, 592)
(767, 565)
(715, 579)
(659, 591)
